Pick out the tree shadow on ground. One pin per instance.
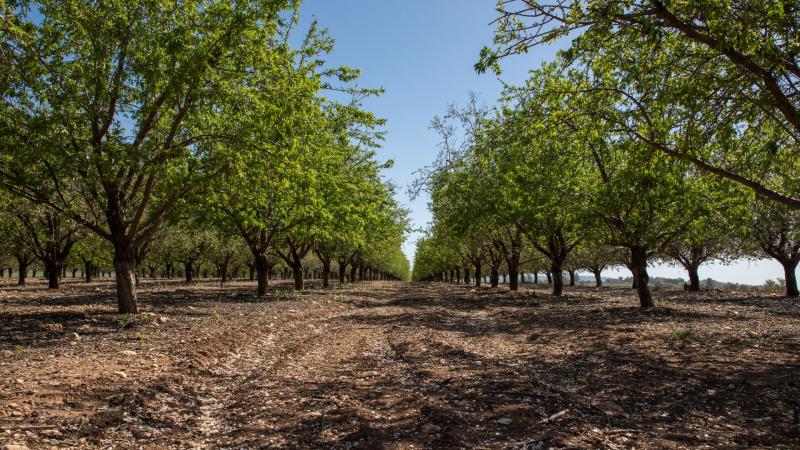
(447, 397)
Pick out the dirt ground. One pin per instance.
(396, 366)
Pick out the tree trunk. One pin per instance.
(88, 271)
(571, 277)
(494, 277)
(353, 270)
(640, 276)
(789, 268)
(188, 271)
(549, 277)
(513, 277)
(125, 268)
(262, 272)
(478, 274)
(326, 273)
(342, 272)
(598, 281)
(694, 278)
(558, 279)
(53, 274)
(252, 272)
(297, 272)
(535, 277)
(22, 273)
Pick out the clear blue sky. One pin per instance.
(422, 52)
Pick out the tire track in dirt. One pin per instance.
(336, 378)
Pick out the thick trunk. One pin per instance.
(558, 279)
(494, 277)
(297, 272)
(188, 271)
(342, 272)
(353, 270)
(361, 271)
(252, 273)
(125, 268)
(549, 277)
(262, 273)
(640, 276)
(694, 278)
(513, 277)
(22, 273)
(598, 281)
(53, 274)
(535, 277)
(478, 274)
(326, 273)
(571, 277)
(88, 271)
(789, 268)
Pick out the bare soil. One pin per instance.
(396, 365)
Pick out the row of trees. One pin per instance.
(667, 131)
(139, 127)
(175, 252)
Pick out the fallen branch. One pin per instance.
(557, 415)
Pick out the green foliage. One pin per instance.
(124, 116)
(712, 83)
(643, 135)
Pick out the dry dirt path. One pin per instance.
(393, 365)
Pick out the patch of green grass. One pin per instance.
(684, 336)
(124, 321)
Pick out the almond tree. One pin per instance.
(115, 111)
(775, 230)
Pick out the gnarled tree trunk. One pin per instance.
(789, 268)
(640, 276)
(262, 273)
(598, 281)
(558, 279)
(125, 268)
